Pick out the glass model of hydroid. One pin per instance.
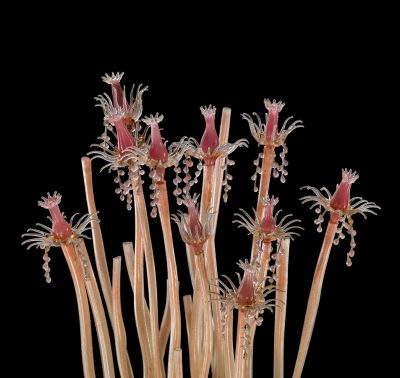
(130, 145)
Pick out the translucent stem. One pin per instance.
(196, 329)
(191, 265)
(211, 261)
(134, 263)
(97, 238)
(96, 305)
(187, 305)
(266, 168)
(165, 324)
(178, 362)
(119, 327)
(208, 171)
(98, 245)
(201, 269)
(314, 298)
(173, 288)
(228, 346)
(207, 337)
(239, 353)
(264, 263)
(83, 310)
(282, 263)
(141, 221)
(218, 173)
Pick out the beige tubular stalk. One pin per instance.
(195, 332)
(83, 310)
(282, 263)
(314, 298)
(228, 346)
(266, 169)
(187, 304)
(204, 308)
(97, 239)
(119, 327)
(98, 245)
(201, 319)
(240, 359)
(165, 328)
(134, 263)
(141, 221)
(173, 289)
(99, 314)
(211, 260)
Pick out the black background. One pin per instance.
(334, 78)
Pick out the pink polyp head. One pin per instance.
(117, 92)
(60, 227)
(245, 294)
(124, 136)
(157, 150)
(195, 225)
(209, 141)
(271, 128)
(341, 198)
(268, 223)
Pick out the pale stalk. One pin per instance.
(208, 171)
(138, 287)
(211, 261)
(202, 276)
(134, 263)
(218, 173)
(97, 239)
(83, 310)
(239, 353)
(251, 353)
(191, 265)
(187, 305)
(264, 263)
(228, 345)
(129, 255)
(266, 168)
(314, 298)
(195, 332)
(282, 264)
(262, 272)
(119, 327)
(175, 339)
(98, 312)
(141, 220)
(246, 368)
(165, 325)
(201, 269)
(178, 362)
(98, 245)
(265, 179)
(206, 193)
(211, 264)
(207, 342)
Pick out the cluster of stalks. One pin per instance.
(213, 343)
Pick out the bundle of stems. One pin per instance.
(208, 312)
